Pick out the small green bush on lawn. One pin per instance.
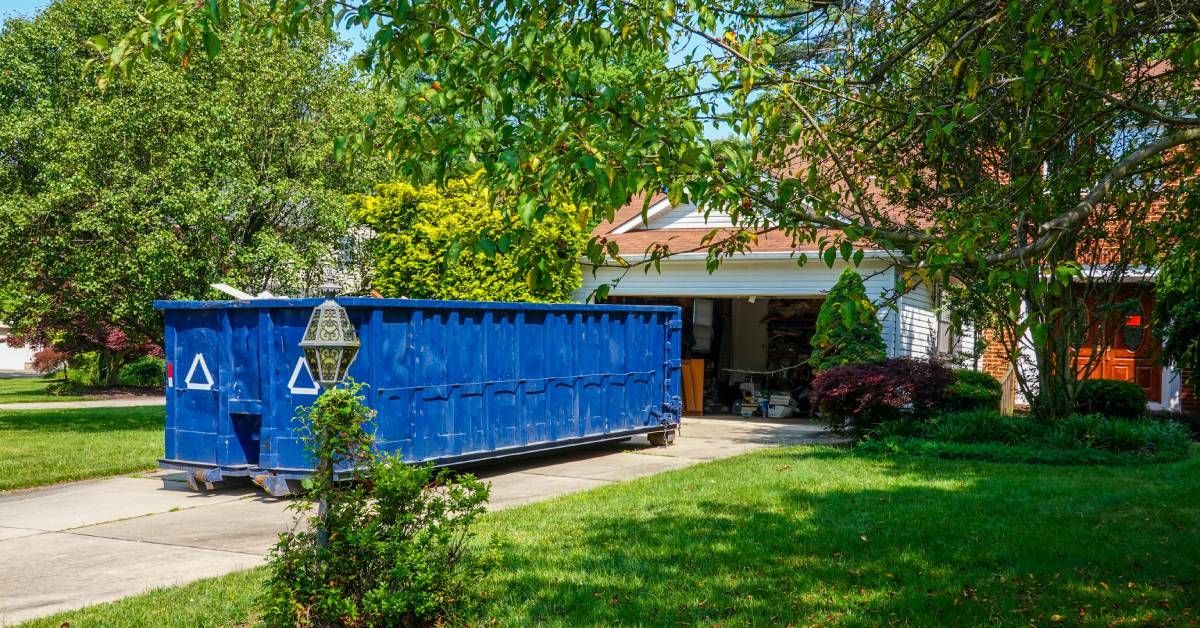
(972, 390)
(1111, 397)
(146, 371)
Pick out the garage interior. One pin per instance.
(744, 356)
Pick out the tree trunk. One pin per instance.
(1052, 308)
(109, 367)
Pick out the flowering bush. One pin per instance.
(863, 395)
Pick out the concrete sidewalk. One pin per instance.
(84, 543)
(123, 402)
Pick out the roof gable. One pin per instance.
(661, 216)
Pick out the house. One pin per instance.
(13, 359)
(752, 319)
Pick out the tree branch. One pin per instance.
(1149, 112)
(1051, 230)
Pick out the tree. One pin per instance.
(992, 145)
(454, 244)
(1177, 309)
(847, 331)
(158, 185)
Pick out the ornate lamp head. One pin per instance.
(330, 344)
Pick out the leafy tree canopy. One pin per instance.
(164, 182)
(995, 144)
(452, 243)
(1177, 312)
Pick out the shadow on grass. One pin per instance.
(833, 537)
(84, 419)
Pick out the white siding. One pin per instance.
(745, 277)
(964, 347)
(1172, 391)
(688, 216)
(918, 329)
(13, 358)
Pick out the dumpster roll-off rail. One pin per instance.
(452, 382)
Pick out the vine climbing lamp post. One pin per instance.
(330, 343)
(330, 346)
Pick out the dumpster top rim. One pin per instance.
(353, 302)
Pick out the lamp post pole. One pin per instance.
(330, 345)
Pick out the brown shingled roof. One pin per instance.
(691, 240)
(638, 240)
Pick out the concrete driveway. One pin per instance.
(119, 402)
(78, 544)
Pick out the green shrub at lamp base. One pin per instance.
(392, 548)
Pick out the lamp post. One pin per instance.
(330, 346)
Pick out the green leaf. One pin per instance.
(99, 43)
(829, 255)
(212, 44)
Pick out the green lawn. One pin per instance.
(31, 389)
(820, 536)
(48, 446)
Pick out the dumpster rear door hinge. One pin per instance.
(675, 324)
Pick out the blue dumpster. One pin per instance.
(453, 382)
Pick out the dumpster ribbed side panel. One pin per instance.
(449, 381)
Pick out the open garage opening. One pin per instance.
(744, 356)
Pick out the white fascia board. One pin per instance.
(652, 211)
(1134, 274)
(753, 255)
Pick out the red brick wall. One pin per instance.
(1189, 399)
(995, 360)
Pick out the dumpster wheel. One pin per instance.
(663, 438)
(198, 482)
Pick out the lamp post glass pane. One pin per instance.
(330, 344)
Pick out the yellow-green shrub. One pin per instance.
(454, 244)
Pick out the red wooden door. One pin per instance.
(1132, 354)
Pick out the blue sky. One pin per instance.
(25, 8)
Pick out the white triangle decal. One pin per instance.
(208, 380)
(312, 388)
